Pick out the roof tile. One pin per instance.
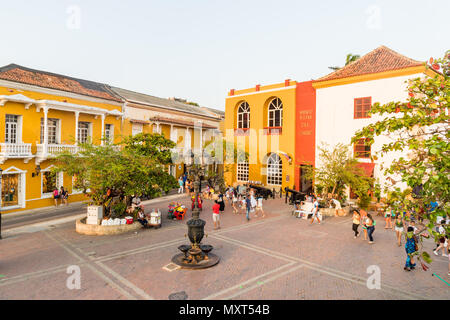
(379, 60)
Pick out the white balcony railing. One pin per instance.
(15, 150)
(53, 149)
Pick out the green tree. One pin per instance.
(136, 166)
(420, 127)
(349, 59)
(339, 170)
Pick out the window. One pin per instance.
(84, 131)
(362, 149)
(362, 107)
(243, 116)
(52, 129)
(11, 128)
(275, 113)
(137, 128)
(109, 133)
(49, 182)
(274, 170)
(242, 171)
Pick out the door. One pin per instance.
(11, 126)
(10, 190)
(83, 132)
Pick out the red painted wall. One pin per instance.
(305, 124)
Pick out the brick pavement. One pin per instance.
(276, 257)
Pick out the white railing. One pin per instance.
(53, 149)
(15, 150)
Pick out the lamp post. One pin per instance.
(1, 199)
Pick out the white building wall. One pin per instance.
(335, 121)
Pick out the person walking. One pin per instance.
(259, 206)
(254, 203)
(181, 185)
(363, 219)
(216, 215)
(187, 186)
(248, 206)
(399, 226)
(356, 222)
(235, 203)
(443, 240)
(315, 210)
(221, 202)
(410, 247)
(370, 222)
(387, 218)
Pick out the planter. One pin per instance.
(99, 230)
(327, 212)
(94, 215)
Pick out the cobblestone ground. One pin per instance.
(276, 257)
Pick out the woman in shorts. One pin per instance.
(387, 218)
(56, 196)
(399, 229)
(234, 203)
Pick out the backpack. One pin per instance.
(55, 192)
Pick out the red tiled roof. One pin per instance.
(180, 122)
(44, 79)
(379, 60)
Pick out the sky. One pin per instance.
(200, 49)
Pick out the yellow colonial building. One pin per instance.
(191, 127)
(261, 121)
(42, 113)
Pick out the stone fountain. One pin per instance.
(196, 255)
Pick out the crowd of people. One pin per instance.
(404, 226)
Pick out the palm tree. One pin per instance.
(350, 58)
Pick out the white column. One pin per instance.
(77, 114)
(45, 109)
(103, 129)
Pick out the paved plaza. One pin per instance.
(276, 257)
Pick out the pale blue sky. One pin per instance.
(199, 49)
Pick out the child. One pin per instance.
(410, 247)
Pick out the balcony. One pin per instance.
(242, 132)
(273, 130)
(44, 152)
(15, 151)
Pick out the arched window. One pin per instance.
(274, 170)
(275, 113)
(243, 116)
